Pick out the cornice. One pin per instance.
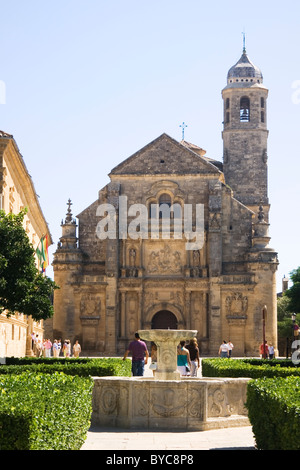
(15, 164)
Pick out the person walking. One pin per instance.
(230, 347)
(271, 351)
(183, 359)
(264, 350)
(48, 346)
(38, 348)
(140, 355)
(55, 348)
(193, 349)
(76, 349)
(224, 350)
(58, 347)
(67, 348)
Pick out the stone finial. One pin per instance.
(69, 216)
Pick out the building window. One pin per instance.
(164, 200)
(227, 103)
(227, 118)
(262, 102)
(245, 109)
(262, 116)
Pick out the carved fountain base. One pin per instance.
(184, 404)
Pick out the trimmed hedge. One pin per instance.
(84, 367)
(274, 412)
(44, 412)
(245, 368)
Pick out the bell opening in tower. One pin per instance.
(245, 109)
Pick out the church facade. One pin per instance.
(177, 240)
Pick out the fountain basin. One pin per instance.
(168, 401)
(189, 404)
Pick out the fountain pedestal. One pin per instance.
(167, 342)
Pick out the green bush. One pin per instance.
(274, 412)
(97, 367)
(245, 368)
(44, 412)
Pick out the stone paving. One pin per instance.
(126, 440)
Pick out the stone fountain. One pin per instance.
(168, 401)
(167, 342)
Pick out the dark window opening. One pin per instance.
(164, 200)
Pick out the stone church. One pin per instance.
(114, 282)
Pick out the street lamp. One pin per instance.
(293, 331)
(264, 313)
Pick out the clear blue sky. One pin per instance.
(90, 82)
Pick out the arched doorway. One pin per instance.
(163, 320)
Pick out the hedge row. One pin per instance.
(44, 412)
(274, 412)
(97, 367)
(245, 368)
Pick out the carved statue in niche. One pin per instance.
(236, 304)
(132, 270)
(195, 270)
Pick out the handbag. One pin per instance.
(152, 366)
(187, 368)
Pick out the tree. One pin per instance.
(293, 294)
(22, 288)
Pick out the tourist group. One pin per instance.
(47, 348)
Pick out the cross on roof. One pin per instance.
(183, 126)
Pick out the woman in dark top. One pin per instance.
(194, 356)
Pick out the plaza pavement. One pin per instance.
(128, 440)
(104, 439)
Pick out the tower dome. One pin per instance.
(244, 73)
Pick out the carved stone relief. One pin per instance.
(90, 305)
(196, 403)
(164, 261)
(175, 297)
(168, 403)
(236, 304)
(214, 221)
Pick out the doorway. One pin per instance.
(164, 320)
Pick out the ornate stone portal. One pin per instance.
(157, 403)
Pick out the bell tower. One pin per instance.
(245, 135)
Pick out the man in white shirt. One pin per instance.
(224, 350)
